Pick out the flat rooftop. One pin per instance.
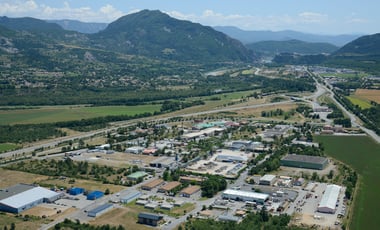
(304, 158)
(13, 190)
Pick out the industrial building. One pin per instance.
(303, 161)
(152, 184)
(149, 218)
(224, 155)
(130, 197)
(169, 187)
(76, 191)
(267, 180)
(189, 191)
(135, 150)
(21, 197)
(136, 175)
(163, 162)
(94, 195)
(239, 195)
(329, 199)
(99, 210)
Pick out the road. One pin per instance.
(352, 117)
(54, 142)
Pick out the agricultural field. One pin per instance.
(363, 104)
(51, 114)
(363, 155)
(368, 95)
(345, 75)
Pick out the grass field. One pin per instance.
(368, 94)
(4, 147)
(125, 217)
(20, 224)
(66, 113)
(363, 155)
(345, 74)
(364, 104)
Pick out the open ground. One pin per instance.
(363, 155)
(368, 94)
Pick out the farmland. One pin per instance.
(51, 114)
(363, 104)
(368, 94)
(363, 155)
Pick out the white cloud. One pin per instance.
(18, 8)
(312, 17)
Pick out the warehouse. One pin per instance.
(76, 191)
(329, 199)
(267, 180)
(130, 197)
(94, 195)
(152, 184)
(303, 161)
(149, 218)
(189, 191)
(21, 197)
(169, 187)
(137, 176)
(99, 210)
(239, 195)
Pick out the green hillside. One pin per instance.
(155, 34)
(291, 46)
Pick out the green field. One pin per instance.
(360, 102)
(363, 155)
(4, 147)
(50, 114)
(347, 75)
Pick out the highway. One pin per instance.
(54, 142)
(352, 117)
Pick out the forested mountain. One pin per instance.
(291, 46)
(82, 27)
(155, 34)
(362, 53)
(366, 45)
(257, 36)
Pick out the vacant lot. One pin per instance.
(9, 178)
(368, 94)
(33, 223)
(50, 114)
(363, 155)
(120, 216)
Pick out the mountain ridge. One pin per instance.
(291, 46)
(246, 36)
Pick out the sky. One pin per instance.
(312, 16)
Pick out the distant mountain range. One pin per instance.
(362, 53)
(291, 46)
(256, 36)
(82, 27)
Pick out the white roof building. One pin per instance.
(329, 199)
(245, 196)
(21, 197)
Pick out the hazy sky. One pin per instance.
(316, 16)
